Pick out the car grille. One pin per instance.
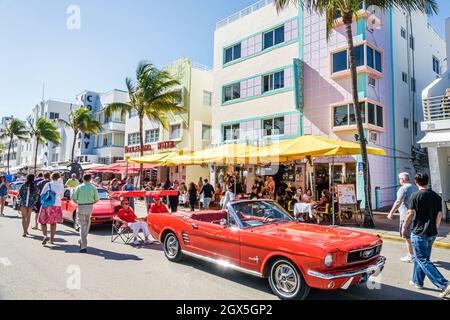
(363, 254)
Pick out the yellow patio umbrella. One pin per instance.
(311, 146)
(156, 159)
(223, 154)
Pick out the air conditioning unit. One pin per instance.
(373, 136)
(374, 19)
(372, 82)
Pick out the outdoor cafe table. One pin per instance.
(303, 207)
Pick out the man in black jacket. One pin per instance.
(208, 193)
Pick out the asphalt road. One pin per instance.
(117, 271)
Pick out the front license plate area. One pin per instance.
(364, 278)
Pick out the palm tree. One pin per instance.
(348, 9)
(14, 129)
(44, 130)
(81, 121)
(153, 96)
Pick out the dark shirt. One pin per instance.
(208, 190)
(427, 204)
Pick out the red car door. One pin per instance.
(254, 250)
(215, 241)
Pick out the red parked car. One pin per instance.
(13, 194)
(260, 238)
(103, 210)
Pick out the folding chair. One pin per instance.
(120, 231)
(324, 212)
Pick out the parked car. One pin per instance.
(103, 210)
(13, 194)
(260, 238)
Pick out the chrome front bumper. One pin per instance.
(374, 269)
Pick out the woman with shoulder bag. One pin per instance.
(51, 211)
(28, 195)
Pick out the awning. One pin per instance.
(120, 168)
(436, 139)
(154, 159)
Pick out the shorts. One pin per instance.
(407, 234)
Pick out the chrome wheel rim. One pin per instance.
(286, 280)
(172, 246)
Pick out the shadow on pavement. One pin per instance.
(107, 255)
(442, 264)
(357, 292)
(10, 217)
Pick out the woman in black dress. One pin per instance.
(192, 195)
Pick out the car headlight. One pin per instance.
(329, 260)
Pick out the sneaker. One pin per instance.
(148, 242)
(411, 283)
(83, 250)
(446, 292)
(407, 259)
(136, 242)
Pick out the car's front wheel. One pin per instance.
(287, 282)
(172, 248)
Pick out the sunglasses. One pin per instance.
(125, 203)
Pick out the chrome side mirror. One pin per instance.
(223, 222)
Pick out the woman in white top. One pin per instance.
(229, 197)
(53, 214)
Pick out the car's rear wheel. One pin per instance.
(75, 223)
(15, 204)
(172, 248)
(287, 282)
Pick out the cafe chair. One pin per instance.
(120, 231)
(324, 212)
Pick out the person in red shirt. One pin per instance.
(128, 218)
(158, 206)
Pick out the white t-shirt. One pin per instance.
(58, 188)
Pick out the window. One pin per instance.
(404, 77)
(231, 92)
(233, 53)
(403, 33)
(152, 136)
(133, 113)
(273, 127)
(374, 59)
(359, 56)
(345, 115)
(436, 65)
(119, 139)
(274, 81)
(415, 128)
(411, 42)
(206, 132)
(231, 132)
(175, 131)
(133, 139)
(406, 123)
(274, 37)
(107, 140)
(207, 98)
(413, 84)
(340, 62)
(54, 115)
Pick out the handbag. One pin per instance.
(48, 199)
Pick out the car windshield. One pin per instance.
(259, 213)
(16, 186)
(103, 194)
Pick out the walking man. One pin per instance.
(402, 205)
(208, 193)
(85, 195)
(425, 212)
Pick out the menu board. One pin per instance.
(346, 194)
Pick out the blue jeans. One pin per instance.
(206, 203)
(422, 265)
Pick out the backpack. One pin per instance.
(48, 199)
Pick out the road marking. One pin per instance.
(5, 261)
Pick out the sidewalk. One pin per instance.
(388, 230)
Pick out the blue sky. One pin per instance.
(36, 46)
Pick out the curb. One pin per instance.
(437, 244)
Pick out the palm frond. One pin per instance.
(123, 108)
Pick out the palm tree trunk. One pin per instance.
(75, 132)
(9, 153)
(35, 157)
(141, 137)
(368, 217)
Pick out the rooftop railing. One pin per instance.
(436, 108)
(244, 12)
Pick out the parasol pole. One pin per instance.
(332, 191)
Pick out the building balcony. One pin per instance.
(114, 126)
(436, 111)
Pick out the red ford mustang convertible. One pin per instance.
(260, 238)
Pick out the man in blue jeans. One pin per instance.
(426, 214)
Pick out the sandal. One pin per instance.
(44, 242)
(24, 235)
(34, 228)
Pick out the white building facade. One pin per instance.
(276, 76)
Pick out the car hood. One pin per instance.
(323, 236)
(105, 207)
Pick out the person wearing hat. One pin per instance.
(158, 206)
(127, 216)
